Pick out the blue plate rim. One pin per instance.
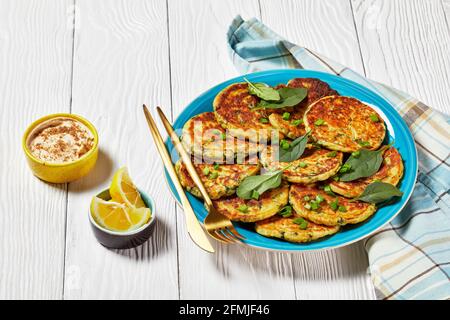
(318, 74)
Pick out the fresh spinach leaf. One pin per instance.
(378, 192)
(263, 91)
(366, 164)
(295, 149)
(260, 184)
(289, 97)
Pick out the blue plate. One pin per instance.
(398, 132)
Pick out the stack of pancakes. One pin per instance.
(234, 142)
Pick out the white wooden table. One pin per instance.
(102, 59)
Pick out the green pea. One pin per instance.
(302, 223)
(319, 122)
(314, 205)
(213, 175)
(285, 145)
(255, 195)
(356, 154)
(374, 118)
(334, 205)
(286, 116)
(328, 190)
(243, 208)
(345, 168)
(332, 154)
(286, 212)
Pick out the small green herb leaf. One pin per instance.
(295, 150)
(378, 192)
(365, 165)
(263, 91)
(260, 184)
(289, 97)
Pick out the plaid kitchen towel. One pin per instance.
(410, 257)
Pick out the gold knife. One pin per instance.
(194, 227)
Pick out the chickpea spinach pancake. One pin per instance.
(315, 164)
(344, 124)
(205, 138)
(291, 124)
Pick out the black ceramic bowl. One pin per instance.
(124, 240)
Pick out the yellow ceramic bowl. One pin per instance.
(61, 172)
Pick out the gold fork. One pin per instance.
(193, 226)
(218, 226)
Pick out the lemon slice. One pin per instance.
(123, 189)
(117, 216)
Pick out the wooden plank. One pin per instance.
(446, 7)
(324, 26)
(199, 60)
(35, 64)
(120, 62)
(327, 28)
(406, 44)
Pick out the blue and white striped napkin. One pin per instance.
(410, 257)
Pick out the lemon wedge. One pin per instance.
(123, 190)
(118, 216)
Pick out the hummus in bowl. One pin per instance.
(60, 140)
(61, 147)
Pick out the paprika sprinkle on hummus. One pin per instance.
(60, 140)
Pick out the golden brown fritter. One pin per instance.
(219, 180)
(287, 229)
(350, 212)
(233, 110)
(205, 138)
(294, 126)
(344, 124)
(268, 205)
